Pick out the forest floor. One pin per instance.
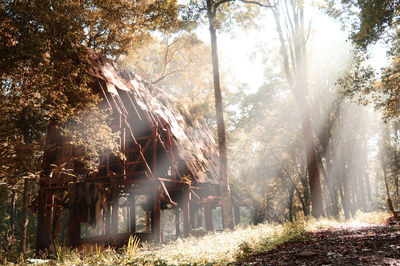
(367, 238)
(346, 245)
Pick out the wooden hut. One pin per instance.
(170, 163)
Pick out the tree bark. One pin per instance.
(12, 212)
(290, 203)
(25, 221)
(385, 177)
(332, 187)
(306, 196)
(345, 206)
(224, 180)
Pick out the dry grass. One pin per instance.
(218, 248)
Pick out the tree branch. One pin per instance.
(260, 4)
(216, 5)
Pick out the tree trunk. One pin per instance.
(12, 213)
(361, 192)
(368, 187)
(25, 203)
(306, 197)
(345, 189)
(345, 206)
(290, 203)
(42, 237)
(332, 189)
(385, 177)
(224, 180)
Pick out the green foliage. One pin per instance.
(92, 133)
(244, 251)
(369, 20)
(372, 21)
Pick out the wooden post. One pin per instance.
(132, 213)
(51, 216)
(74, 227)
(186, 210)
(49, 202)
(177, 228)
(154, 170)
(193, 216)
(115, 209)
(198, 218)
(147, 221)
(208, 217)
(42, 239)
(123, 144)
(156, 215)
(108, 218)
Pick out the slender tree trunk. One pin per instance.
(290, 203)
(368, 187)
(12, 212)
(306, 196)
(25, 202)
(362, 193)
(332, 189)
(385, 177)
(346, 193)
(312, 169)
(396, 182)
(345, 205)
(355, 196)
(224, 180)
(43, 238)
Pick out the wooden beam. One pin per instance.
(132, 213)
(42, 239)
(154, 151)
(74, 227)
(198, 217)
(115, 210)
(177, 224)
(193, 216)
(147, 221)
(208, 217)
(51, 210)
(141, 157)
(186, 211)
(108, 219)
(156, 215)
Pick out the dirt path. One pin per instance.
(373, 245)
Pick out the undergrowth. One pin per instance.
(212, 249)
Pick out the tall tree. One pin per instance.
(212, 7)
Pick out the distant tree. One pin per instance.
(178, 63)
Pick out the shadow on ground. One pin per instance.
(374, 245)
